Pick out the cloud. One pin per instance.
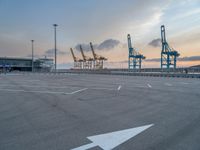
(191, 58)
(85, 47)
(51, 52)
(188, 13)
(153, 60)
(105, 45)
(108, 44)
(155, 42)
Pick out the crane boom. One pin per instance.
(129, 41)
(73, 54)
(98, 60)
(77, 61)
(94, 54)
(96, 57)
(87, 64)
(163, 36)
(131, 49)
(92, 48)
(82, 53)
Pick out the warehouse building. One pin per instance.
(25, 64)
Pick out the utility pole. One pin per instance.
(55, 25)
(32, 41)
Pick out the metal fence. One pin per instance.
(155, 72)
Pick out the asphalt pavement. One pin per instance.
(62, 111)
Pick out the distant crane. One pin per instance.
(98, 60)
(87, 61)
(168, 55)
(77, 61)
(135, 58)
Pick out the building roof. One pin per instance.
(29, 59)
(15, 58)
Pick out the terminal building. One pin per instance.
(25, 64)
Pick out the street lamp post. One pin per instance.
(32, 41)
(55, 25)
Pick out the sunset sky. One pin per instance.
(106, 23)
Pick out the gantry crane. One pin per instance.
(135, 58)
(77, 61)
(98, 60)
(168, 55)
(87, 61)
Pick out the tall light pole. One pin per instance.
(32, 41)
(55, 25)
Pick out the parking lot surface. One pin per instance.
(62, 111)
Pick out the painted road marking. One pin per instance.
(119, 87)
(11, 90)
(41, 86)
(11, 74)
(31, 80)
(184, 82)
(168, 84)
(149, 85)
(109, 89)
(58, 87)
(108, 141)
(44, 92)
(78, 91)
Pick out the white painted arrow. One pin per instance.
(108, 141)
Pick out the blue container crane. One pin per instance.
(135, 58)
(168, 55)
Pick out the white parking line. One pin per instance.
(41, 86)
(184, 83)
(119, 87)
(149, 85)
(168, 84)
(26, 91)
(109, 89)
(78, 91)
(60, 87)
(44, 92)
(29, 81)
(12, 90)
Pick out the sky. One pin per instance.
(105, 23)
